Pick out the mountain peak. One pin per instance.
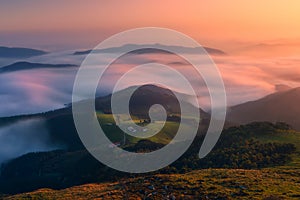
(281, 106)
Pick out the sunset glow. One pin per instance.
(216, 23)
(157, 99)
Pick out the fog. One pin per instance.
(38, 90)
(246, 78)
(24, 137)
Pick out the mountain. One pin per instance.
(147, 95)
(260, 143)
(16, 52)
(73, 165)
(282, 106)
(52, 168)
(62, 130)
(154, 48)
(18, 66)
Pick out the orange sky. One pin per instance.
(213, 22)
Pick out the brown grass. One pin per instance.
(200, 184)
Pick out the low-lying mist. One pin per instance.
(44, 89)
(24, 137)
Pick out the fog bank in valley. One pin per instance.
(24, 137)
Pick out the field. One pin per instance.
(116, 135)
(290, 136)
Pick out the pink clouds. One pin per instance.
(34, 91)
(245, 77)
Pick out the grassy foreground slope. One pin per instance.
(199, 184)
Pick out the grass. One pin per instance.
(116, 134)
(199, 184)
(285, 136)
(280, 182)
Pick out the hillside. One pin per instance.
(253, 146)
(61, 126)
(280, 106)
(146, 96)
(266, 184)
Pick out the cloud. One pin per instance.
(24, 137)
(35, 91)
(245, 78)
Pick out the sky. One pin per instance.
(229, 25)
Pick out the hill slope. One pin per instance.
(62, 129)
(253, 146)
(281, 106)
(267, 184)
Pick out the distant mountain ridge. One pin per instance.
(153, 48)
(282, 106)
(19, 66)
(17, 52)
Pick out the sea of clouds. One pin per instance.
(246, 78)
(39, 90)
